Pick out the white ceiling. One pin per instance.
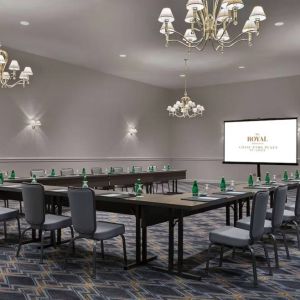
(92, 33)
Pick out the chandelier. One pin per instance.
(9, 78)
(209, 22)
(185, 107)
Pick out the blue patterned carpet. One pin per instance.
(25, 278)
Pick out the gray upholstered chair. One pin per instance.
(83, 210)
(35, 216)
(67, 172)
(8, 214)
(38, 173)
(272, 226)
(234, 237)
(96, 171)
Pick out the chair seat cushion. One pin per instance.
(8, 213)
(288, 215)
(230, 236)
(106, 230)
(54, 222)
(245, 224)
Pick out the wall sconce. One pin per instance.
(35, 123)
(132, 131)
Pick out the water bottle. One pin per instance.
(195, 189)
(250, 180)
(33, 179)
(285, 176)
(223, 185)
(267, 179)
(85, 182)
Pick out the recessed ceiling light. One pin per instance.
(123, 55)
(278, 24)
(182, 75)
(24, 23)
(242, 67)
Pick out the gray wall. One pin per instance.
(197, 144)
(85, 117)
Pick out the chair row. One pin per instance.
(83, 220)
(262, 223)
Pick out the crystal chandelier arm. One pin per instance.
(216, 8)
(21, 81)
(235, 42)
(235, 39)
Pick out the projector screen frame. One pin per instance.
(263, 163)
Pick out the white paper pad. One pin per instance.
(112, 195)
(14, 186)
(60, 190)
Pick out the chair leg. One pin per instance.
(102, 249)
(21, 239)
(274, 241)
(19, 227)
(168, 186)
(20, 207)
(124, 251)
(156, 188)
(162, 188)
(42, 248)
(253, 265)
(94, 258)
(285, 245)
(297, 232)
(208, 257)
(73, 240)
(267, 258)
(221, 256)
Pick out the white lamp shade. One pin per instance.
(235, 4)
(190, 35)
(194, 4)
(166, 15)
(190, 16)
(2, 60)
(5, 76)
(223, 15)
(250, 26)
(258, 14)
(170, 28)
(223, 36)
(24, 76)
(14, 65)
(28, 71)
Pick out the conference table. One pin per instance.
(153, 209)
(110, 180)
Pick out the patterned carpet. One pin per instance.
(25, 278)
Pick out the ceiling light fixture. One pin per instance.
(185, 107)
(279, 24)
(182, 75)
(242, 67)
(35, 124)
(211, 25)
(24, 23)
(8, 78)
(123, 55)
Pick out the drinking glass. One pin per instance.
(258, 183)
(292, 175)
(274, 178)
(232, 185)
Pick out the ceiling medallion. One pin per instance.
(209, 22)
(185, 107)
(9, 78)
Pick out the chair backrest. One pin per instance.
(138, 169)
(279, 206)
(67, 172)
(297, 204)
(258, 215)
(34, 203)
(118, 170)
(96, 171)
(83, 210)
(38, 173)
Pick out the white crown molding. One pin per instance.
(78, 159)
(197, 158)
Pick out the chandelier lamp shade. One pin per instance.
(12, 76)
(210, 21)
(185, 108)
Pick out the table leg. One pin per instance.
(176, 186)
(228, 215)
(171, 241)
(235, 212)
(241, 204)
(180, 242)
(248, 207)
(144, 243)
(138, 235)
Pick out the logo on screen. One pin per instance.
(257, 138)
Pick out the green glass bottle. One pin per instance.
(111, 170)
(138, 187)
(285, 176)
(85, 182)
(13, 174)
(1, 178)
(83, 172)
(33, 179)
(267, 179)
(297, 174)
(52, 173)
(132, 170)
(223, 185)
(168, 167)
(250, 180)
(195, 189)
